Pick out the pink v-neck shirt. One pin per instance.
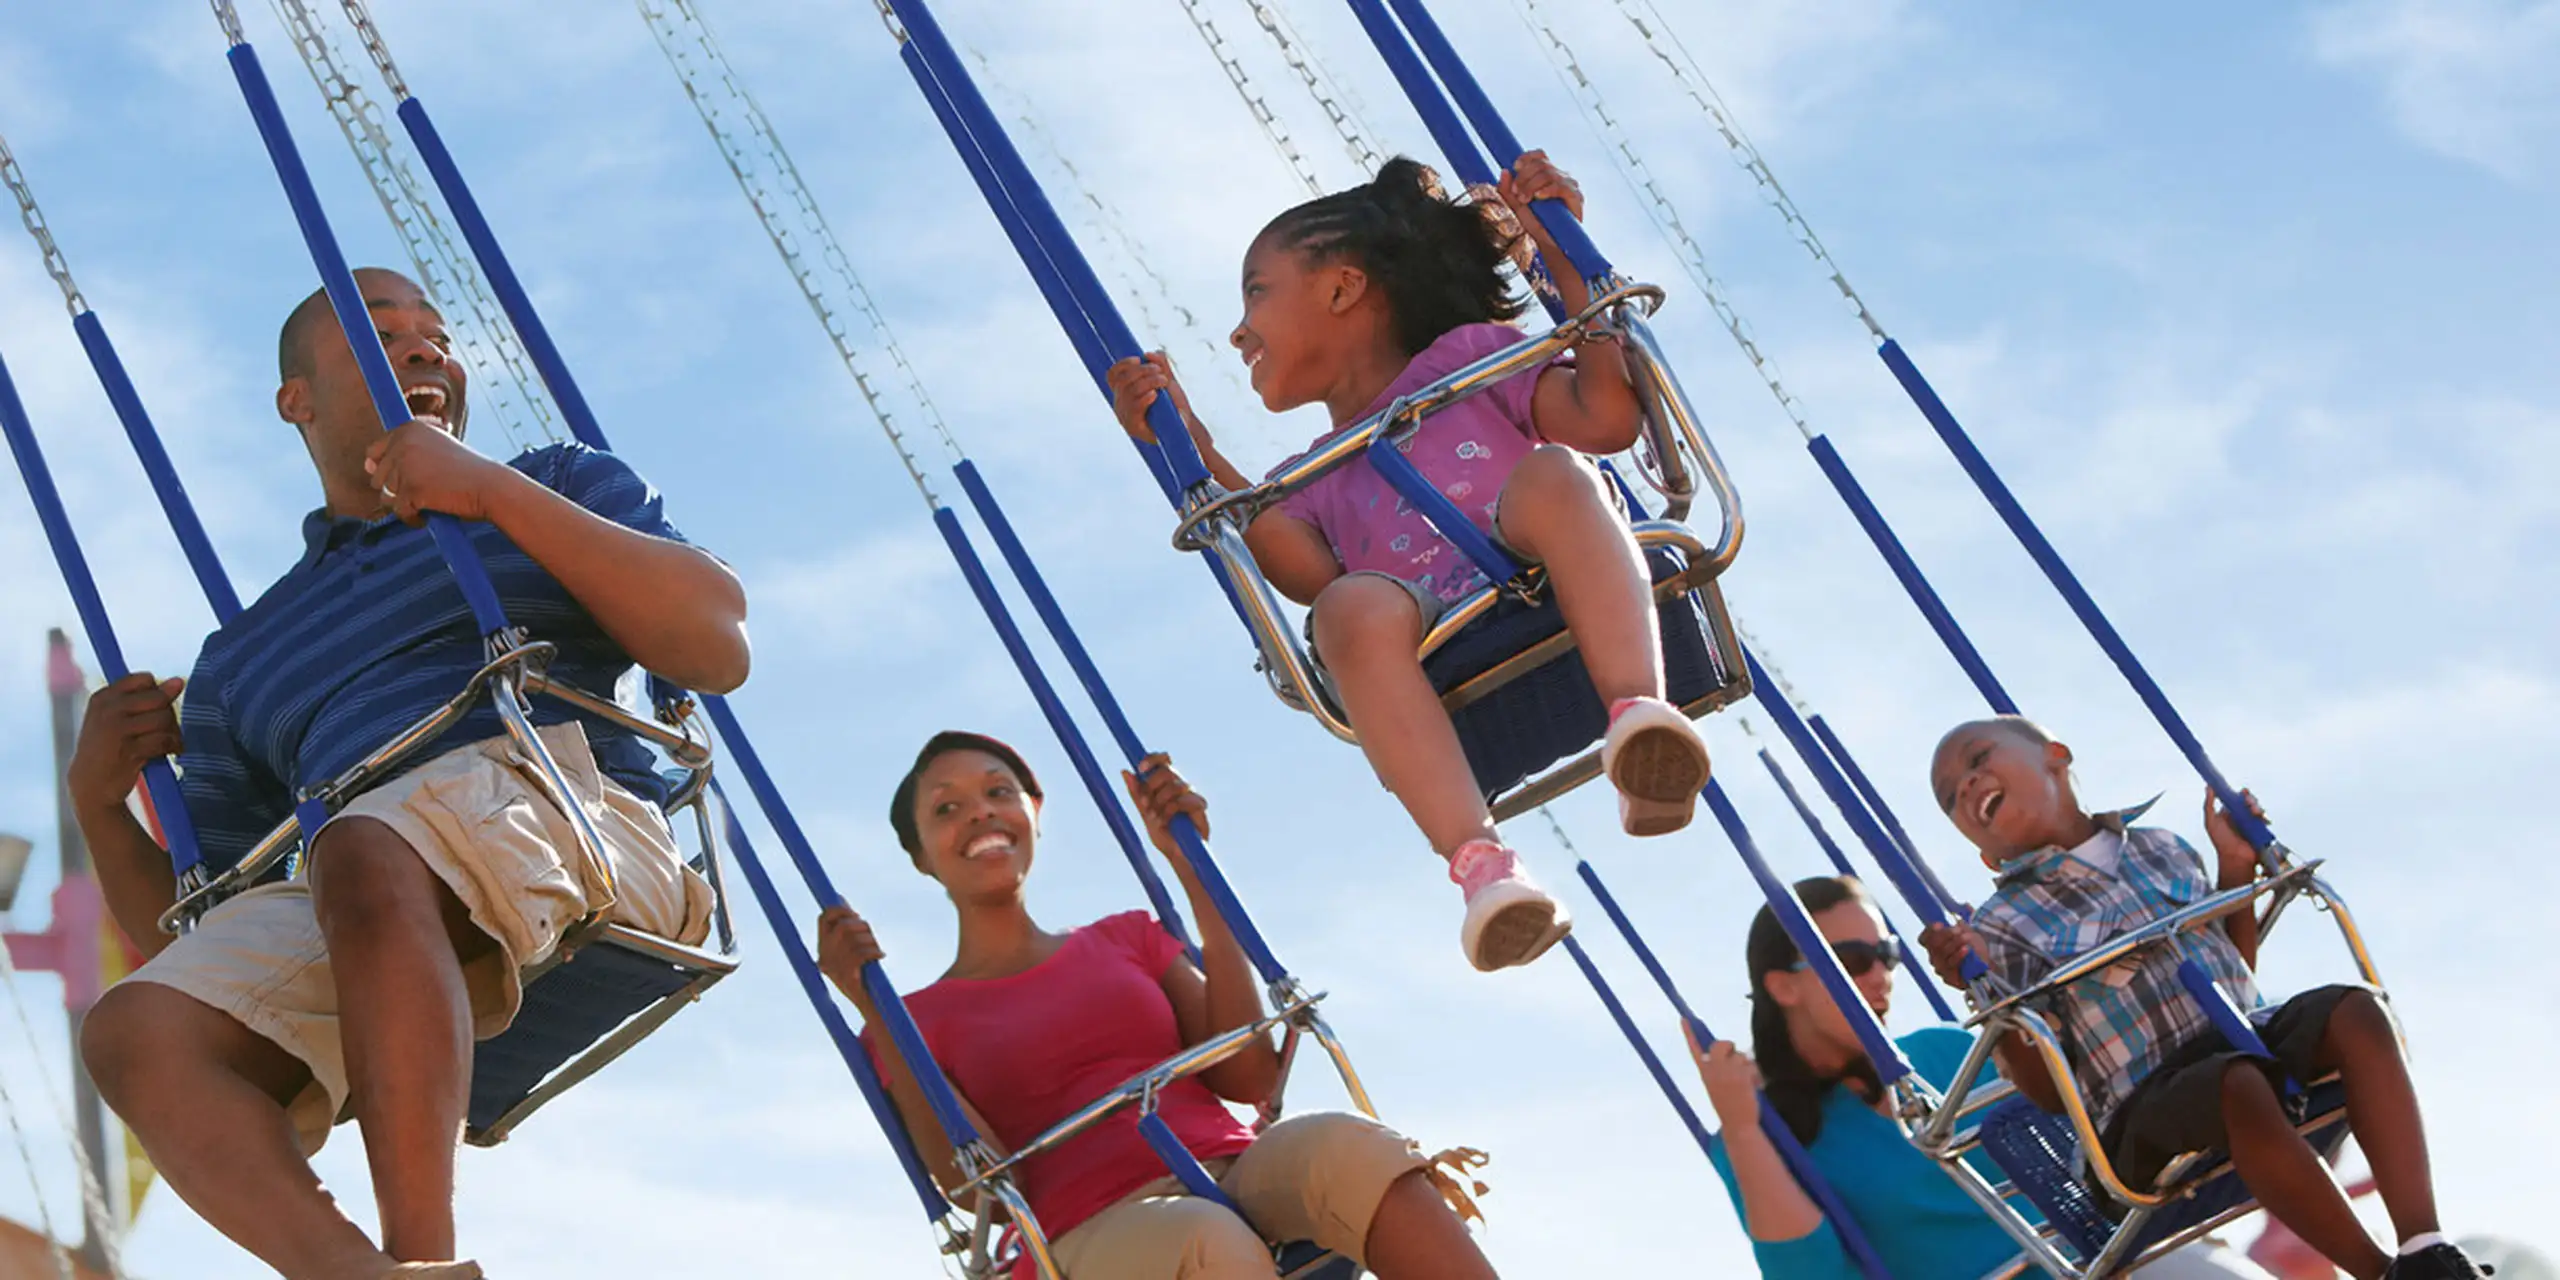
(1466, 451)
(1030, 1049)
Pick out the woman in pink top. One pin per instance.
(1030, 1025)
(1362, 296)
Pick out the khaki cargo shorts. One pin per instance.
(478, 820)
(1310, 1177)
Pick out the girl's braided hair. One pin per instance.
(1437, 261)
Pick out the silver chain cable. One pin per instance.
(1340, 107)
(374, 48)
(1667, 48)
(1657, 204)
(55, 264)
(759, 163)
(1264, 117)
(504, 375)
(230, 19)
(93, 1198)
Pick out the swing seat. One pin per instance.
(1521, 699)
(2042, 1159)
(1306, 1260)
(578, 1015)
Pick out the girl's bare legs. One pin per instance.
(1417, 1236)
(1369, 630)
(1556, 511)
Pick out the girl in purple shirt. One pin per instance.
(1362, 296)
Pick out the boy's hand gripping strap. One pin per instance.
(1840, 860)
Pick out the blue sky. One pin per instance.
(2252, 304)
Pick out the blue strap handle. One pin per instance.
(1584, 256)
(795, 842)
(1054, 710)
(2227, 1018)
(1213, 880)
(1875, 805)
(813, 984)
(1914, 888)
(1178, 1159)
(1444, 515)
(1636, 1041)
(154, 457)
(1907, 572)
(1840, 860)
(157, 777)
(937, 67)
(1791, 1152)
(381, 381)
(1889, 1062)
(2086, 608)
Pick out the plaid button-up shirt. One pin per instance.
(2116, 1025)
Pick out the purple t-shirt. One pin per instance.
(1466, 451)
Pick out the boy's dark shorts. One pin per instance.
(2178, 1107)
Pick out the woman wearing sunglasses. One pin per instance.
(1807, 1062)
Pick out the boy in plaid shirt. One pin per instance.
(2160, 1080)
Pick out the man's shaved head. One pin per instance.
(313, 317)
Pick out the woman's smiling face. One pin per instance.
(976, 824)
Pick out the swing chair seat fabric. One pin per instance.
(1521, 698)
(2042, 1160)
(578, 1016)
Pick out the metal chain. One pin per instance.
(758, 160)
(506, 380)
(371, 36)
(230, 20)
(54, 263)
(1269, 120)
(93, 1198)
(1339, 106)
(1667, 48)
(1129, 258)
(1657, 205)
(44, 1213)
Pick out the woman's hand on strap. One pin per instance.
(1162, 794)
(1732, 1080)
(845, 945)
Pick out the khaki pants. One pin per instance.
(476, 818)
(1313, 1177)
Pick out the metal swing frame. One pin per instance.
(1949, 1126)
(1674, 457)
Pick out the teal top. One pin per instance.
(1922, 1225)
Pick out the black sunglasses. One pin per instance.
(1859, 957)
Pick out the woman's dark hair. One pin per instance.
(1791, 1085)
(1437, 262)
(902, 805)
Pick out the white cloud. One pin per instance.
(2478, 80)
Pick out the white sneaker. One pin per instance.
(434, 1271)
(1510, 920)
(1658, 763)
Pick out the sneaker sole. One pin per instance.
(1660, 765)
(1518, 934)
(1641, 817)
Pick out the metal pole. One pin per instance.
(82, 942)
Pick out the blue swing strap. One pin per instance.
(157, 776)
(1790, 1150)
(1840, 861)
(1876, 807)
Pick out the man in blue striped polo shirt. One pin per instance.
(360, 989)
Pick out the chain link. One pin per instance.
(1128, 257)
(1667, 48)
(506, 380)
(230, 20)
(1338, 105)
(371, 37)
(55, 264)
(1263, 116)
(1657, 204)
(760, 164)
